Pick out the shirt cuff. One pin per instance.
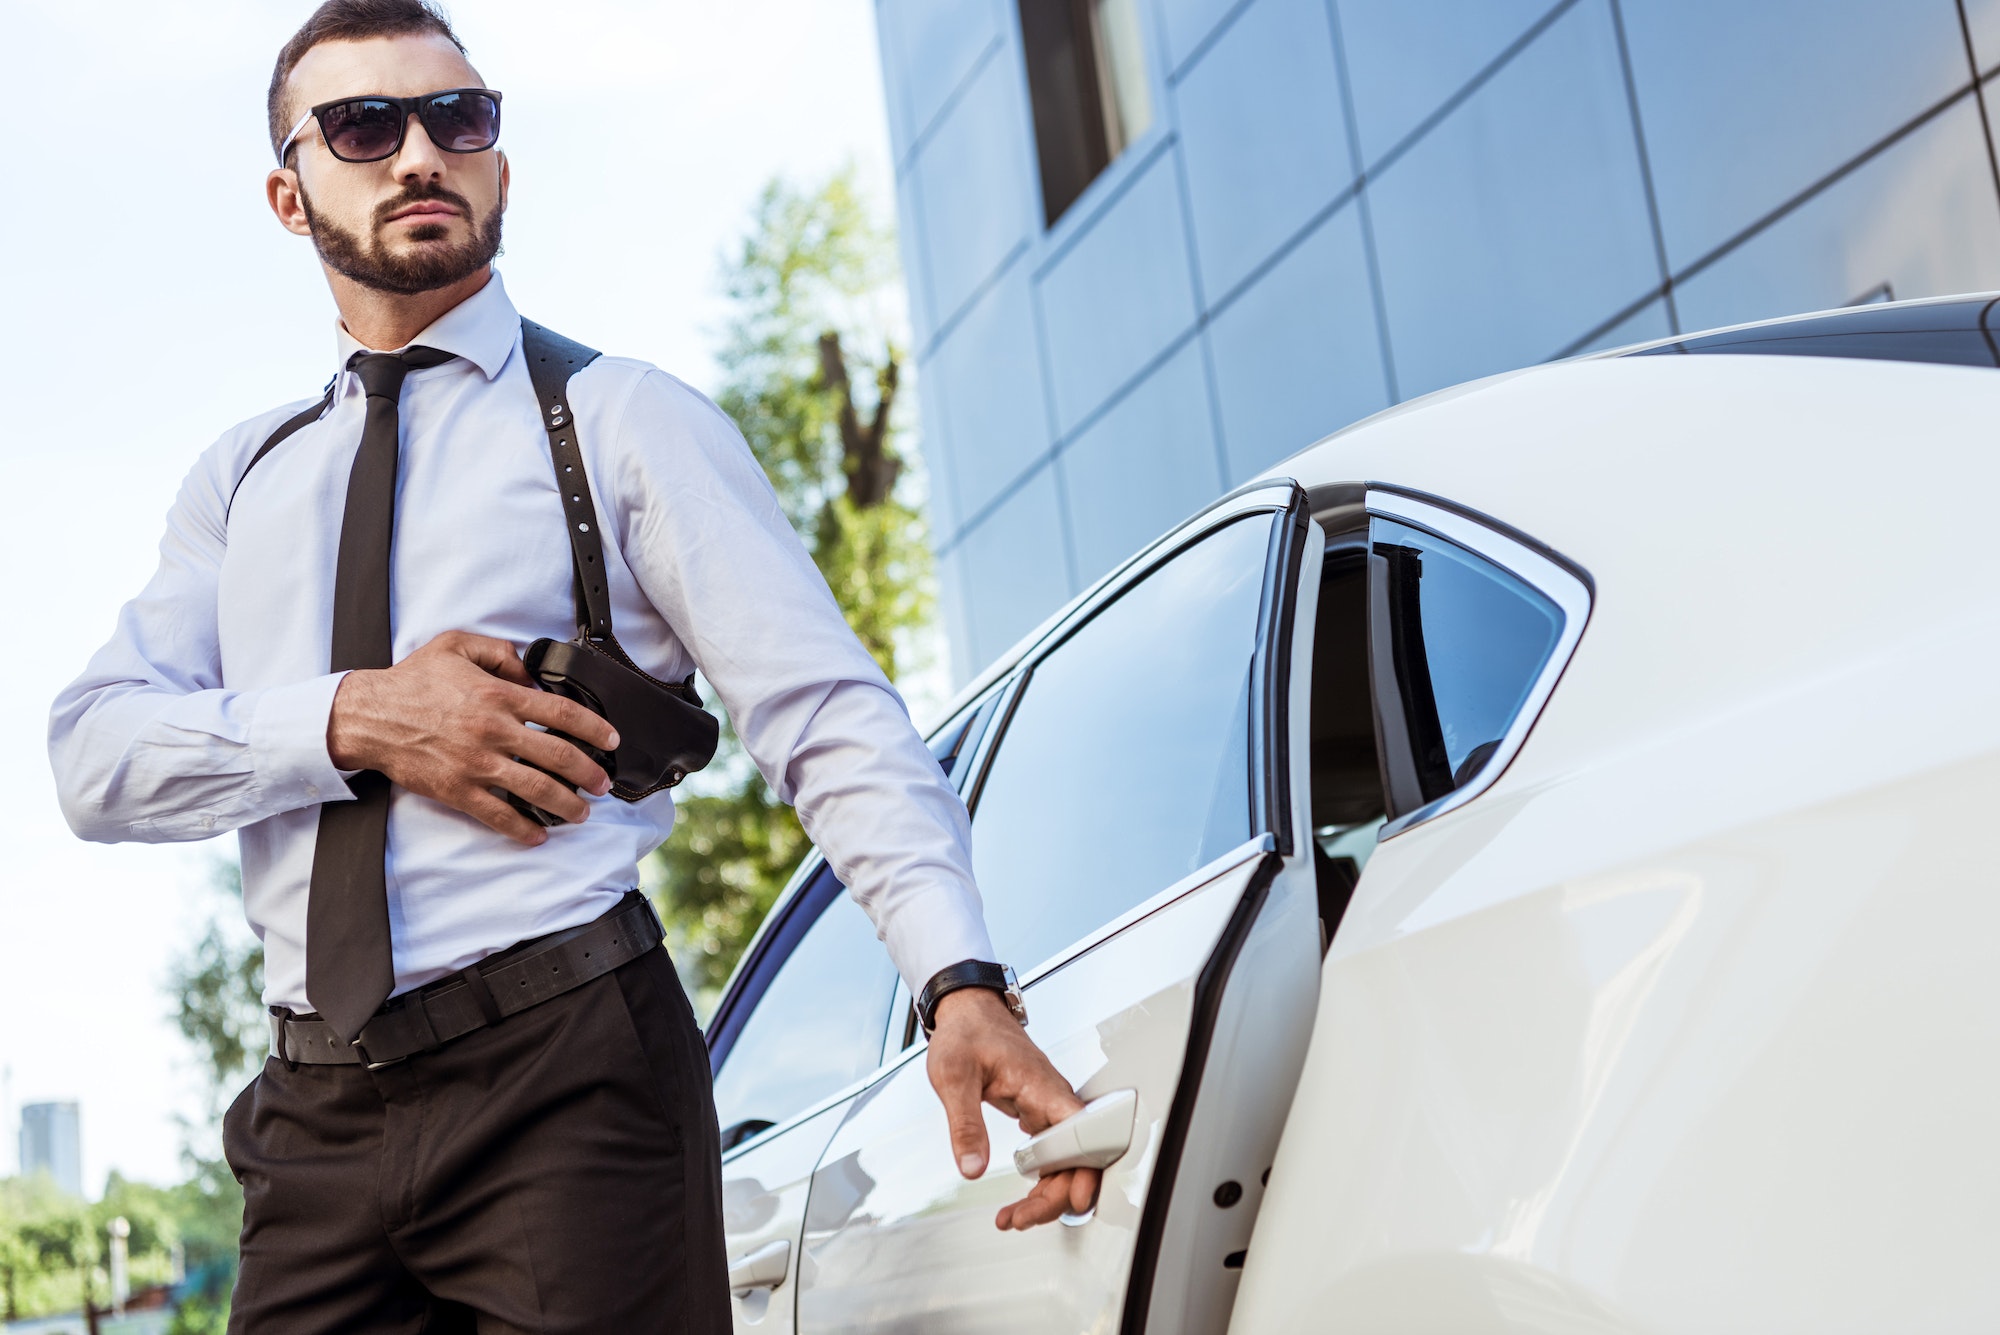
(288, 744)
(937, 929)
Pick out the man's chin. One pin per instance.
(426, 232)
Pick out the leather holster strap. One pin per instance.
(519, 977)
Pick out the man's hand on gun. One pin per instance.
(980, 1054)
(451, 722)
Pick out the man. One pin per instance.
(328, 661)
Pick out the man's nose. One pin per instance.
(418, 159)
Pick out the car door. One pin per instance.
(1138, 836)
(805, 1017)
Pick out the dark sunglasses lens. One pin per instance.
(362, 130)
(462, 122)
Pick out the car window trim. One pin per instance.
(1265, 494)
(1270, 776)
(1555, 578)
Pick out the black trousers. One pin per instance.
(558, 1172)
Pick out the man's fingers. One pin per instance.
(540, 790)
(1046, 1201)
(958, 1088)
(553, 753)
(496, 814)
(494, 656)
(552, 711)
(1085, 1186)
(1045, 1098)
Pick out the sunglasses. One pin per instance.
(368, 129)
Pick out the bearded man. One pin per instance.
(487, 1105)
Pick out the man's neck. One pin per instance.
(388, 320)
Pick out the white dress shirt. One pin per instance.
(207, 711)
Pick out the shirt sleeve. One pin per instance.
(705, 537)
(146, 745)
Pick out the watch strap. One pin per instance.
(965, 973)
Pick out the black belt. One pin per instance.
(486, 993)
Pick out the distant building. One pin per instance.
(52, 1143)
(1154, 246)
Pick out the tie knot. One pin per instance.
(382, 373)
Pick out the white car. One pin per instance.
(1525, 863)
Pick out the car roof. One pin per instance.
(1948, 331)
(1961, 330)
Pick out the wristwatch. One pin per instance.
(969, 973)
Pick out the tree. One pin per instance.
(218, 992)
(812, 375)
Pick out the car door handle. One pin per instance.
(1096, 1137)
(762, 1269)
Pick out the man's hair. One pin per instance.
(349, 21)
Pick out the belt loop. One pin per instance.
(475, 982)
(281, 1014)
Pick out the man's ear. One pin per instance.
(282, 192)
(506, 177)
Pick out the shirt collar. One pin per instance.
(482, 329)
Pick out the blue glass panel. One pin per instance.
(1647, 323)
(1264, 136)
(1126, 764)
(1922, 218)
(1470, 641)
(1983, 18)
(928, 48)
(964, 665)
(995, 413)
(1297, 356)
(1146, 464)
(975, 192)
(1520, 222)
(1120, 295)
(1747, 104)
(1014, 571)
(1407, 57)
(1188, 23)
(910, 242)
(939, 450)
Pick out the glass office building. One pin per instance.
(1154, 246)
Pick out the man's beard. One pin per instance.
(426, 269)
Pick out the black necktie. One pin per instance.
(349, 968)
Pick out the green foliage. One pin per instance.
(54, 1246)
(807, 286)
(47, 1247)
(218, 990)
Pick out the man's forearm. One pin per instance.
(143, 763)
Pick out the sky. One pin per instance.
(151, 301)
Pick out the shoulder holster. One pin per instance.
(664, 733)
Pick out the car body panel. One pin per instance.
(1687, 1022)
(764, 1201)
(896, 1240)
(1189, 998)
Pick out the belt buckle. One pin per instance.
(369, 1062)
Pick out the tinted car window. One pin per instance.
(1126, 763)
(1469, 641)
(818, 1026)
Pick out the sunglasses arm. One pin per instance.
(292, 138)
